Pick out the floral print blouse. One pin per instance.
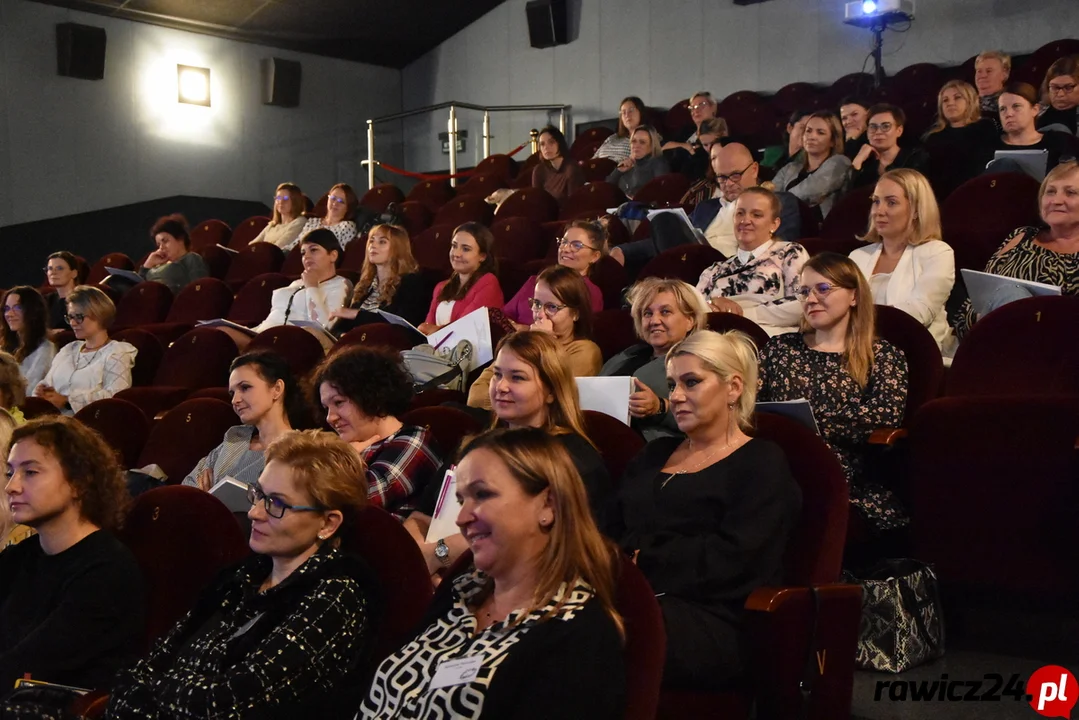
(772, 271)
(845, 413)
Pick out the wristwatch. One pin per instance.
(442, 552)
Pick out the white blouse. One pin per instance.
(36, 365)
(83, 377)
(296, 302)
(283, 235)
(444, 312)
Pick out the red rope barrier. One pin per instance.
(446, 176)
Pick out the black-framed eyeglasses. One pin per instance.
(1061, 89)
(574, 245)
(74, 317)
(550, 308)
(733, 177)
(880, 127)
(275, 506)
(821, 290)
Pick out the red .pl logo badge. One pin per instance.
(1052, 691)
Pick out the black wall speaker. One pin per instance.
(80, 51)
(280, 82)
(548, 23)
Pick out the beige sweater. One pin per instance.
(584, 360)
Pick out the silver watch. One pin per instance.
(442, 551)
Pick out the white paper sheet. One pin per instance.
(222, 322)
(608, 395)
(680, 213)
(474, 327)
(444, 521)
(397, 320)
(126, 274)
(981, 286)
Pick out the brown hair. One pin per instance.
(401, 263)
(90, 466)
(771, 197)
(175, 225)
(94, 303)
(541, 351)
(12, 382)
(596, 233)
(1067, 66)
(485, 240)
(295, 199)
(714, 126)
(1023, 90)
(576, 550)
(568, 286)
(835, 125)
(327, 468)
(623, 131)
(82, 270)
(974, 106)
(351, 201)
(35, 318)
(842, 272)
(895, 111)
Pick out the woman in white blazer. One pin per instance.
(907, 264)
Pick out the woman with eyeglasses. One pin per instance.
(287, 221)
(556, 172)
(854, 381)
(94, 366)
(560, 306)
(341, 205)
(1060, 95)
(1019, 108)
(883, 153)
(531, 387)
(173, 264)
(818, 174)
(473, 284)
(961, 141)
(269, 403)
(62, 275)
(287, 633)
(630, 115)
(582, 245)
(23, 333)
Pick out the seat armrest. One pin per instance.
(887, 436)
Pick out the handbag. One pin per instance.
(40, 701)
(902, 622)
(433, 367)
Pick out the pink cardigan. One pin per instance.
(485, 293)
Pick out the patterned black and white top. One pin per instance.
(561, 660)
(764, 282)
(1026, 261)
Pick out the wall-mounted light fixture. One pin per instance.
(193, 85)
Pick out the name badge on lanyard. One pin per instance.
(456, 672)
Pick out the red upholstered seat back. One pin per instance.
(210, 232)
(247, 231)
(301, 350)
(186, 434)
(663, 191)
(253, 301)
(618, 443)
(591, 201)
(146, 303)
(449, 426)
(122, 425)
(980, 213)
(380, 196)
(431, 193)
(200, 358)
(848, 218)
(519, 239)
(464, 208)
(724, 322)
(924, 362)
(685, 262)
(646, 641)
(257, 259)
(533, 203)
(613, 331)
(385, 334)
(203, 299)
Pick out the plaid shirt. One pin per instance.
(399, 467)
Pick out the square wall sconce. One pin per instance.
(193, 85)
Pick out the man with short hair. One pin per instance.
(991, 71)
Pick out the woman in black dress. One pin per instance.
(961, 141)
(706, 518)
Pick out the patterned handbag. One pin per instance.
(443, 367)
(902, 622)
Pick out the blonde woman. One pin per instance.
(390, 280)
(855, 382)
(287, 221)
(819, 173)
(907, 264)
(706, 517)
(961, 141)
(533, 622)
(644, 163)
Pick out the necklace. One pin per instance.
(698, 465)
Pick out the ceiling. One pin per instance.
(392, 33)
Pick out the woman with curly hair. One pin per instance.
(23, 332)
(364, 392)
(71, 599)
(172, 263)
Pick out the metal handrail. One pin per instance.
(451, 127)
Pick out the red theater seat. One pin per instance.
(597, 169)
(379, 197)
(980, 213)
(253, 301)
(685, 262)
(247, 231)
(722, 322)
(449, 425)
(613, 331)
(591, 201)
(258, 259)
(300, 349)
(431, 248)
(848, 218)
(210, 232)
(217, 260)
(481, 185)
(663, 191)
(617, 442)
(186, 434)
(112, 260)
(149, 357)
(518, 239)
(536, 204)
(924, 363)
(415, 216)
(204, 299)
(501, 166)
(462, 209)
(433, 194)
(146, 303)
(122, 425)
(379, 334)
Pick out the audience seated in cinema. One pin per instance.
(702, 106)
(1018, 115)
(630, 115)
(390, 280)
(960, 143)
(907, 264)
(473, 283)
(278, 634)
(883, 153)
(854, 115)
(365, 391)
(62, 274)
(1047, 255)
(287, 221)
(779, 155)
(819, 174)
(706, 517)
(760, 281)
(581, 246)
(93, 367)
(991, 71)
(71, 597)
(341, 207)
(23, 329)
(532, 387)
(173, 264)
(269, 403)
(1060, 96)
(556, 172)
(318, 292)
(696, 166)
(664, 312)
(535, 616)
(12, 387)
(703, 171)
(854, 382)
(644, 163)
(561, 307)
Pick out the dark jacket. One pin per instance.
(410, 302)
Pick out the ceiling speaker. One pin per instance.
(548, 23)
(80, 51)
(280, 82)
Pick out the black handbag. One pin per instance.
(40, 702)
(902, 622)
